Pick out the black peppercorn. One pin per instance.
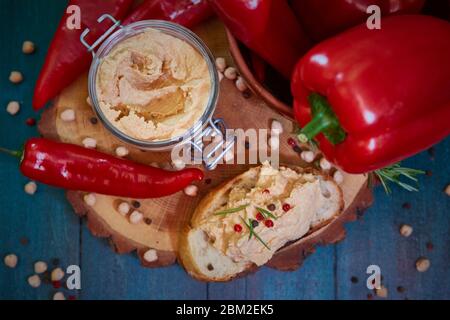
(136, 204)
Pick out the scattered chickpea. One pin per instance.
(90, 199)
(382, 292)
(57, 274)
(241, 85)
(124, 208)
(11, 260)
(338, 177)
(30, 188)
(277, 127)
(122, 152)
(230, 73)
(154, 164)
(447, 190)
(325, 164)
(308, 156)
(28, 47)
(151, 255)
(406, 230)
(68, 115)
(34, 281)
(16, 77)
(89, 101)
(178, 164)
(136, 217)
(221, 64)
(13, 108)
(40, 267)
(423, 264)
(59, 296)
(191, 191)
(90, 143)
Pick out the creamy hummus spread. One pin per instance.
(274, 188)
(153, 86)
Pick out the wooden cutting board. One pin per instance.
(164, 217)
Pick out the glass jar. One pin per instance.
(205, 125)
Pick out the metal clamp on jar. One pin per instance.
(203, 127)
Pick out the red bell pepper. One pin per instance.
(67, 58)
(324, 18)
(188, 13)
(268, 27)
(76, 168)
(374, 97)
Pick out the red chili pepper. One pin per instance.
(188, 13)
(324, 18)
(67, 57)
(76, 168)
(375, 97)
(268, 27)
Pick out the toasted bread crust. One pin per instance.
(186, 259)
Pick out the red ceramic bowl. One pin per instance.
(260, 89)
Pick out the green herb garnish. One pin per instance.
(232, 210)
(253, 233)
(394, 173)
(266, 213)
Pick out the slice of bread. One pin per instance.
(208, 255)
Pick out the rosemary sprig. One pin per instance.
(249, 226)
(266, 213)
(394, 173)
(232, 210)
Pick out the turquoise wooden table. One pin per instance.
(43, 227)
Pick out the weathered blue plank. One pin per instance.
(44, 218)
(106, 275)
(315, 280)
(376, 239)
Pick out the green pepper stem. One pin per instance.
(319, 123)
(16, 154)
(323, 121)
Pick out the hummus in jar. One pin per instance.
(153, 86)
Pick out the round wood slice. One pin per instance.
(165, 217)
